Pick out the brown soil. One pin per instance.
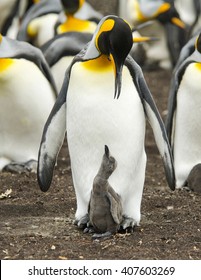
(36, 225)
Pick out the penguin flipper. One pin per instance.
(65, 44)
(172, 104)
(52, 138)
(154, 119)
(114, 208)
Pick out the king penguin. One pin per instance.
(104, 99)
(38, 24)
(167, 26)
(72, 22)
(183, 119)
(27, 94)
(105, 208)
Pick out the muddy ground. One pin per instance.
(36, 225)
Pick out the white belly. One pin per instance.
(43, 28)
(95, 119)
(58, 70)
(187, 145)
(26, 99)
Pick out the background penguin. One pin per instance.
(183, 119)
(104, 99)
(166, 26)
(38, 25)
(27, 94)
(105, 209)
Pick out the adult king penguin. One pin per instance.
(27, 94)
(104, 99)
(183, 119)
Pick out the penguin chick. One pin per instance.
(105, 208)
(193, 181)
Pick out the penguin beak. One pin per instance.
(118, 66)
(176, 21)
(144, 39)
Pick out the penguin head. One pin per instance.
(72, 6)
(112, 38)
(168, 13)
(109, 163)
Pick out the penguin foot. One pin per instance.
(128, 223)
(21, 167)
(104, 235)
(82, 223)
(89, 229)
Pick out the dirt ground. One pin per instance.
(36, 225)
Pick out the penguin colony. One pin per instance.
(67, 69)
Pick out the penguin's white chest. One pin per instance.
(58, 70)
(187, 135)
(95, 119)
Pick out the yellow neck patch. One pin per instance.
(100, 64)
(75, 24)
(32, 30)
(1, 37)
(5, 63)
(198, 66)
(106, 26)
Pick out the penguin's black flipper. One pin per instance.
(52, 138)
(154, 119)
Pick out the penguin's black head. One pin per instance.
(72, 6)
(113, 38)
(168, 14)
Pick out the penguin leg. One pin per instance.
(89, 229)
(128, 222)
(104, 235)
(21, 167)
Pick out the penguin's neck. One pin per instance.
(99, 64)
(100, 184)
(73, 24)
